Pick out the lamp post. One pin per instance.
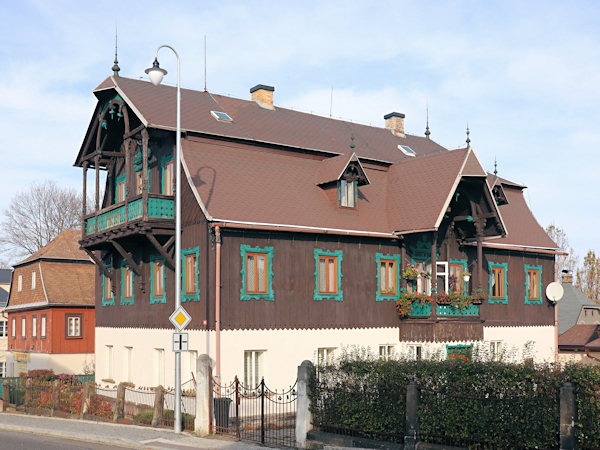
(155, 73)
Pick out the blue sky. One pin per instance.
(525, 76)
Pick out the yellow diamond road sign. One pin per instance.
(180, 318)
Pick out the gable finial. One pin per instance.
(468, 141)
(427, 132)
(495, 166)
(352, 141)
(115, 67)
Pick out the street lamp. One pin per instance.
(155, 73)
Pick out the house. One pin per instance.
(4, 289)
(51, 309)
(578, 325)
(296, 230)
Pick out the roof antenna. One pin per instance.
(116, 67)
(427, 132)
(331, 102)
(495, 166)
(204, 63)
(468, 141)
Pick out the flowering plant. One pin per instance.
(454, 299)
(405, 301)
(410, 271)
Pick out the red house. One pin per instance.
(51, 310)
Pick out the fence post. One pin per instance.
(203, 395)
(55, 396)
(28, 391)
(86, 398)
(411, 433)
(6, 395)
(119, 411)
(159, 406)
(567, 417)
(262, 411)
(303, 415)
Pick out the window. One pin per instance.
(159, 366)
(108, 297)
(43, 327)
(190, 275)
(441, 273)
(157, 281)
(13, 328)
(139, 182)
(496, 350)
(498, 282)
(2, 369)
(533, 284)
(423, 280)
(328, 276)
(34, 327)
(128, 364)
(221, 116)
(386, 352)
(33, 280)
(415, 352)
(388, 276)
(253, 367)
(457, 270)
(4, 328)
(73, 326)
(120, 189)
(407, 150)
(257, 273)
(20, 283)
(167, 178)
(348, 193)
(325, 356)
(459, 352)
(23, 326)
(126, 286)
(109, 362)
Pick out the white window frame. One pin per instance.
(347, 191)
(387, 352)
(2, 369)
(3, 328)
(23, 327)
(13, 330)
(19, 283)
(254, 371)
(76, 326)
(325, 356)
(423, 289)
(34, 327)
(415, 352)
(496, 350)
(43, 327)
(442, 273)
(33, 279)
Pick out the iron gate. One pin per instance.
(255, 414)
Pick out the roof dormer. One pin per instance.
(347, 173)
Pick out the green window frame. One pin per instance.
(139, 171)
(117, 181)
(269, 294)
(153, 297)
(111, 300)
(339, 295)
(533, 301)
(462, 351)
(503, 266)
(187, 297)
(130, 300)
(163, 163)
(463, 263)
(379, 296)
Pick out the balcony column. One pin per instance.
(97, 164)
(127, 176)
(434, 273)
(84, 200)
(145, 139)
(402, 262)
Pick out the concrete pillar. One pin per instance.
(159, 405)
(203, 395)
(303, 415)
(411, 433)
(119, 411)
(86, 398)
(5, 395)
(568, 440)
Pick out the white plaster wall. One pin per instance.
(565, 357)
(519, 343)
(71, 363)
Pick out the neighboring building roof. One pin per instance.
(63, 246)
(5, 275)
(569, 308)
(580, 337)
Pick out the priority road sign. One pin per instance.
(180, 342)
(180, 318)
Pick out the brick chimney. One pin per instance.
(263, 95)
(395, 122)
(566, 277)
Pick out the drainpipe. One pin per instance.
(587, 353)
(218, 302)
(556, 263)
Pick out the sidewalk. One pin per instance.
(132, 436)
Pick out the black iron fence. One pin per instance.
(256, 413)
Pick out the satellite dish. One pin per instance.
(554, 291)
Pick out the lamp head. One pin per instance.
(155, 73)
(466, 278)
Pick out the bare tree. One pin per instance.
(588, 276)
(36, 216)
(559, 236)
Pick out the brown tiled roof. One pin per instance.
(64, 246)
(579, 336)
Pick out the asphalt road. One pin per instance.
(15, 440)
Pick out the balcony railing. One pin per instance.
(424, 310)
(159, 207)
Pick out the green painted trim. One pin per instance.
(505, 267)
(163, 162)
(269, 296)
(339, 184)
(117, 181)
(153, 298)
(378, 296)
(110, 301)
(461, 348)
(463, 263)
(340, 295)
(421, 250)
(355, 193)
(127, 301)
(451, 311)
(189, 297)
(420, 310)
(138, 171)
(529, 301)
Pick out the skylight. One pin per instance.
(221, 116)
(407, 150)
